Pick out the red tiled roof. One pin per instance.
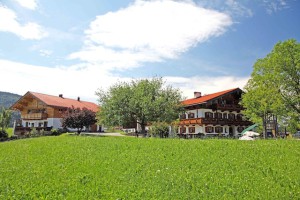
(206, 98)
(64, 102)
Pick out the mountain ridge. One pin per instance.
(7, 99)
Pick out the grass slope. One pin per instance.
(74, 167)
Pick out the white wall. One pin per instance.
(198, 113)
(199, 129)
(35, 122)
(54, 122)
(203, 111)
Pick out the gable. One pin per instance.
(209, 97)
(53, 101)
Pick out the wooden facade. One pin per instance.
(213, 114)
(43, 111)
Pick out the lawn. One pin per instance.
(9, 132)
(77, 167)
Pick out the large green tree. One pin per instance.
(5, 116)
(139, 101)
(78, 118)
(274, 86)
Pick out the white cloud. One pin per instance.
(45, 52)
(29, 4)
(11, 24)
(83, 80)
(77, 80)
(237, 8)
(206, 85)
(273, 6)
(149, 31)
(234, 8)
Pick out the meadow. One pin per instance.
(80, 167)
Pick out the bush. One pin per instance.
(160, 129)
(3, 134)
(59, 131)
(33, 133)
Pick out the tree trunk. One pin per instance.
(143, 131)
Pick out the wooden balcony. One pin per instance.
(214, 122)
(35, 116)
(229, 107)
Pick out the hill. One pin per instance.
(8, 99)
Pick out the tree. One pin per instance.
(5, 116)
(139, 101)
(160, 129)
(78, 118)
(274, 86)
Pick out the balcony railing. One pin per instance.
(214, 121)
(35, 116)
(229, 107)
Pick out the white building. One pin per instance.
(213, 114)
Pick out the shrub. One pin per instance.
(33, 133)
(59, 131)
(160, 129)
(3, 134)
(54, 132)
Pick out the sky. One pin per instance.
(76, 47)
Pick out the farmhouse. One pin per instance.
(213, 114)
(44, 111)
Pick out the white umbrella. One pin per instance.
(250, 134)
(246, 138)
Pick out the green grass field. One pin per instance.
(77, 167)
(9, 132)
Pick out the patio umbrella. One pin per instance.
(249, 128)
(251, 134)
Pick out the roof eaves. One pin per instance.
(21, 98)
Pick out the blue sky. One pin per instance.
(75, 47)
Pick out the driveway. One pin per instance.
(104, 134)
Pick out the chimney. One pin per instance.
(197, 94)
(78, 98)
(61, 95)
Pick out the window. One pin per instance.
(219, 115)
(225, 115)
(208, 115)
(209, 129)
(215, 115)
(191, 129)
(219, 129)
(240, 129)
(182, 130)
(191, 115)
(239, 116)
(231, 116)
(183, 116)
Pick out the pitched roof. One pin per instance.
(57, 101)
(206, 98)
